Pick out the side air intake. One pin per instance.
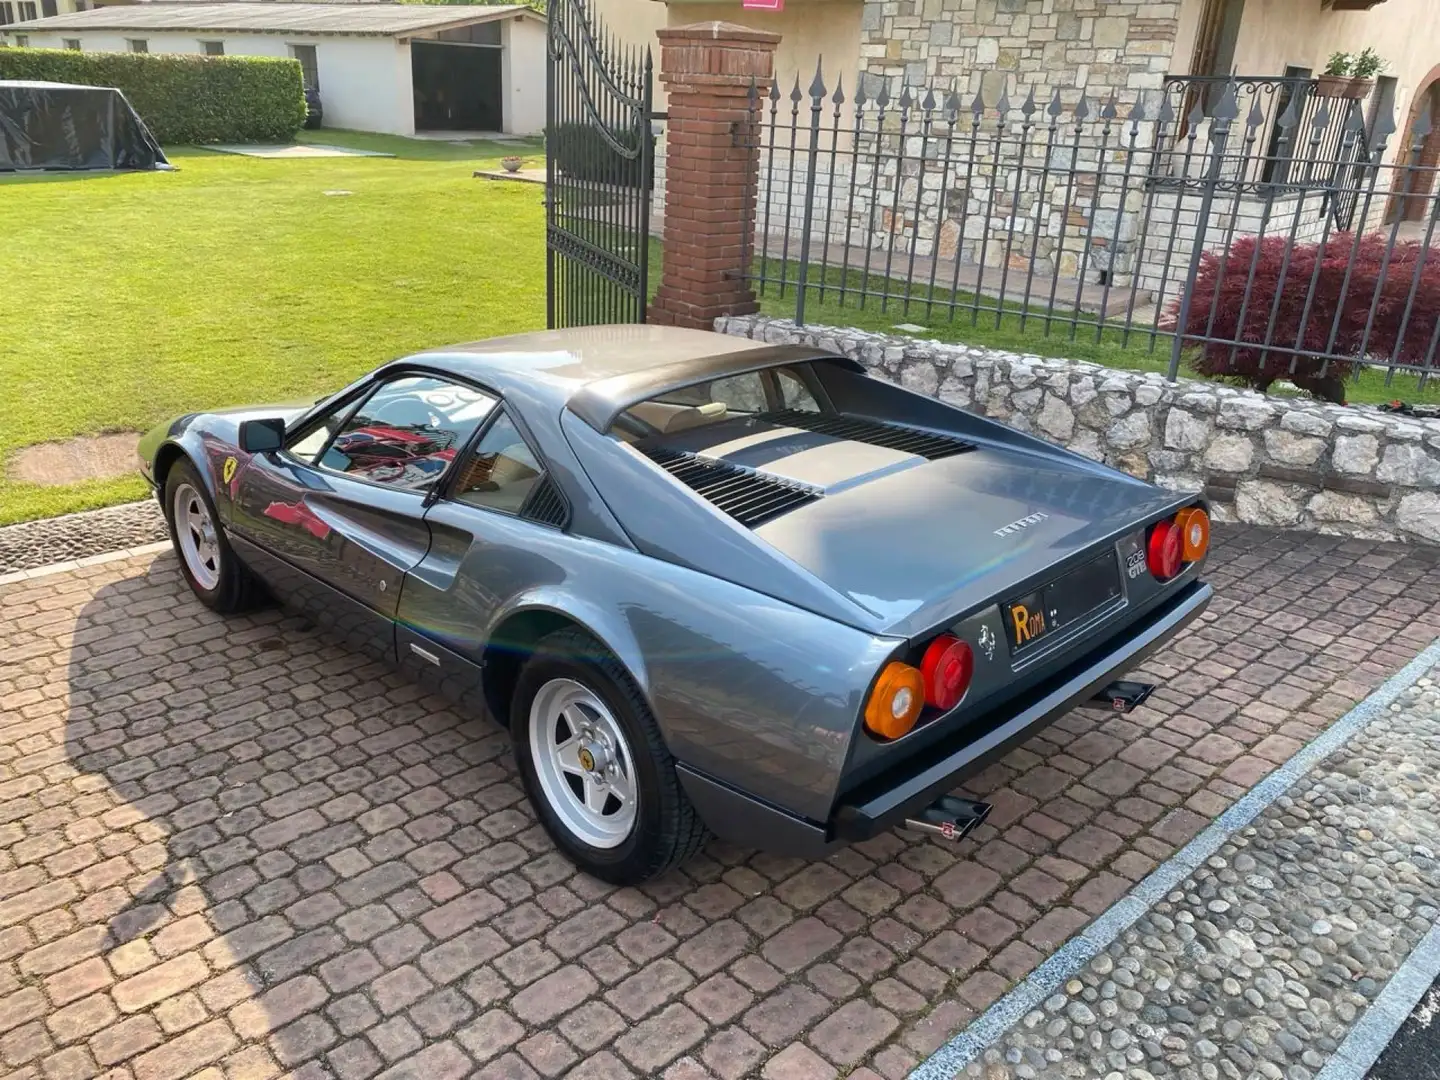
(749, 497)
(908, 440)
(546, 505)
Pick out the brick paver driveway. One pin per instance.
(231, 848)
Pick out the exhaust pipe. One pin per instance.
(1121, 697)
(952, 817)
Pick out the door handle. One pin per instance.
(425, 654)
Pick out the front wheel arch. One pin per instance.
(165, 459)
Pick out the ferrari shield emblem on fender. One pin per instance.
(227, 471)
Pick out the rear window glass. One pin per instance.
(714, 401)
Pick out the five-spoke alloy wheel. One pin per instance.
(583, 763)
(595, 766)
(209, 565)
(195, 536)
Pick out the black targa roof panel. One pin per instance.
(58, 126)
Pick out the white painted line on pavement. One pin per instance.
(1046, 979)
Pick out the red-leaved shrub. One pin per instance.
(1257, 366)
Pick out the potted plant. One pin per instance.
(1362, 75)
(511, 164)
(1334, 81)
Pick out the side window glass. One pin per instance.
(307, 446)
(406, 433)
(501, 472)
(794, 394)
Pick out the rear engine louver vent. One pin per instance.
(546, 505)
(749, 497)
(926, 444)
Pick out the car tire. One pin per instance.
(571, 682)
(209, 564)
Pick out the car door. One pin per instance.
(337, 517)
(491, 534)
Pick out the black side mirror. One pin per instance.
(262, 436)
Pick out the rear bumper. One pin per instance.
(888, 799)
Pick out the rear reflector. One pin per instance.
(896, 701)
(1164, 549)
(948, 666)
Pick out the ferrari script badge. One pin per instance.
(1024, 523)
(227, 472)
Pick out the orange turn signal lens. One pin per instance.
(896, 701)
(1194, 533)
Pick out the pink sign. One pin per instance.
(764, 5)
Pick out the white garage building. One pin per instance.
(394, 68)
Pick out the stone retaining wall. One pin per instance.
(1264, 461)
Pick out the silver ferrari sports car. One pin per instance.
(712, 586)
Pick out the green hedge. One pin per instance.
(182, 98)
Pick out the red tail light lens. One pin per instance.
(1164, 549)
(947, 668)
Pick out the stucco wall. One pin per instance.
(364, 82)
(1265, 461)
(522, 75)
(808, 29)
(1277, 33)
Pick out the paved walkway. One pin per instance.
(232, 846)
(1280, 953)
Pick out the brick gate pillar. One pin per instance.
(711, 167)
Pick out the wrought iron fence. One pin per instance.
(1244, 225)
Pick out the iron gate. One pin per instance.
(599, 172)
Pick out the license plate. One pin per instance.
(1043, 613)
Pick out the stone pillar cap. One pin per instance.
(716, 30)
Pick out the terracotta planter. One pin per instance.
(1332, 86)
(1360, 89)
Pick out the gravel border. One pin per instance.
(70, 537)
(1157, 986)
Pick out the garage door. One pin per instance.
(457, 87)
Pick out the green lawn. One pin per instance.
(132, 297)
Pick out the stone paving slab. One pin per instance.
(233, 849)
(1260, 962)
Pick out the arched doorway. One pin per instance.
(1420, 150)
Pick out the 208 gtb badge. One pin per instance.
(1024, 523)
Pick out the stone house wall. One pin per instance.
(1294, 464)
(1073, 44)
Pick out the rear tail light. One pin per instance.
(1195, 533)
(947, 668)
(1163, 550)
(896, 701)
(1173, 544)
